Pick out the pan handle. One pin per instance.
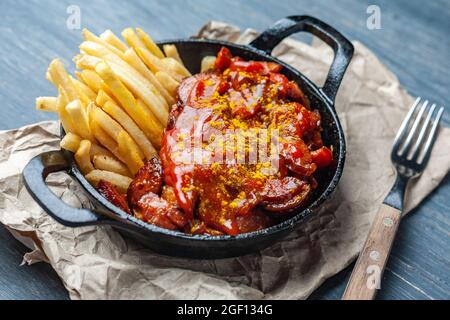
(34, 175)
(343, 48)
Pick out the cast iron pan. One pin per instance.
(203, 246)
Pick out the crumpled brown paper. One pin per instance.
(97, 263)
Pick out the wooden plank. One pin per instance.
(413, 42)
(38, 281)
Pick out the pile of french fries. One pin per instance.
(116, 107)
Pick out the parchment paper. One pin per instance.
(98, 263)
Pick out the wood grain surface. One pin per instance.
(366, 275)
(413, 42)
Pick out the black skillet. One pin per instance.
(202, 246)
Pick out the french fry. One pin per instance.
(133, 59)
(84, 89)
(113, 128)
(130, 126)
(158, 107)
(89, 36)
(81, 95)
(70, 142)
(97, 150)
(208, 63)
(48, 104)
(133, 160)
(83, 157)
(131, 38)
(155, 64)
(49, 77)
(148, 79)
(149, 43)
(120, 181)
(80, 118)
(168, 82)
(176, 67)
(86, 62)
(64, 116)
(141, 115)
(60, 78)
(131, 77)
(105, 140)
(118, 89)
(107, 163)
(95, 49)
(110, 94)
(89, 111)
(153, 128)
(113, 40)
(171, 51)
(92, 79)
(102, 98)
(126, 72)
(105, 95)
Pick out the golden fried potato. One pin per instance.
(141, 115)
(48, 104)
(130, 126)
(207, 63)
(171, 51)
(107, 163)
(133, 59)
(149, 43)
(89, 36)
(79, 117)
(113, 40)
(168, 82)
(64, 116)
(60, 78)
(129, 152)
(155, 64)
(120, 181)
(83, 89)
(70, 142)
(83, 157)
(176, 67)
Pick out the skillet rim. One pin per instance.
(299, 217)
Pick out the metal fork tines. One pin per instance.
(412, 146)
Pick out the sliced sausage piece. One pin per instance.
(297, 157)
(197, 87)
(153, 209)
(281, 189)
(296, 201)
(147, 179)
(257, 220)
(199, 227)
(110, 192)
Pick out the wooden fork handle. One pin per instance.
(366, 276)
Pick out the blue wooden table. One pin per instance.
(413, 41)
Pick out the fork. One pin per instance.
(410, 154)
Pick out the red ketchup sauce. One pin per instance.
(213, 182)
